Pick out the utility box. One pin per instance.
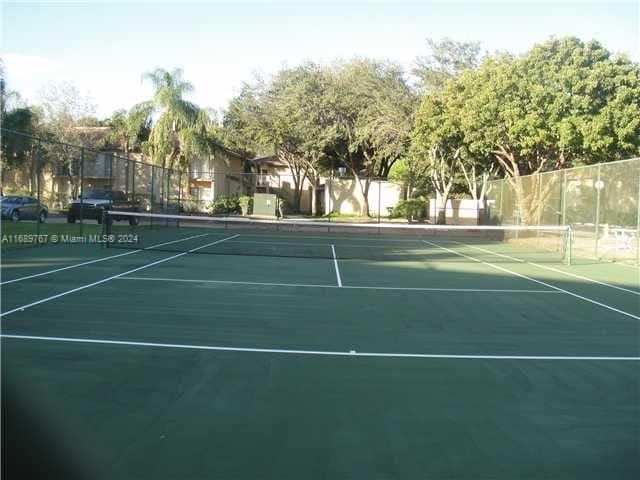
(265, 205)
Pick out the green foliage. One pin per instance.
(246, 204)
(130, 129)
(563, 102)
(16, 149)
(225, 205)
(191, 206)
(446, 60)
(180, 130)
(413, 209)
(358, 114)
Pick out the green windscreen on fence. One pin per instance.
(600, 202)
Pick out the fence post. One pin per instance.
(329, 197)
(126, 176)
(598, 187)
(379, 200)
(638, 226)
(81, 191)
(501, 197)
(38, 188)
(167, 196)
(153, 181)
(111, 171)
(541, 207)
(563, 199)
(280, 208)
(133, 183)
(180, 191)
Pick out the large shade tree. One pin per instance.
(437, 144)
(285, 117)
(564, 102)
(371, 107)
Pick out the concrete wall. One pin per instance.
(345, 196)
(458, 211)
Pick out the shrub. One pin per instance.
(225, 205)
(190, 206)
(412, 209)
(246, 204)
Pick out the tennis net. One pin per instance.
(317, 239)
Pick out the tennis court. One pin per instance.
(275, 350)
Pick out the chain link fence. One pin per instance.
(601, 203)
(51, 186)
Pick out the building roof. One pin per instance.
(269, 161)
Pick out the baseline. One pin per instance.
(351, 353)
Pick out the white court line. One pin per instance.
(335, 263)
(99, 260)
(104, 280)
(545, 267)
(355, 287)
(352, 353)
(497, 267)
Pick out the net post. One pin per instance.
(106, 231)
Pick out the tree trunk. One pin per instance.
(314, 196)
(530, 204)
(364, 190)
(441, 217)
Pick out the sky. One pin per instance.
(105, 47)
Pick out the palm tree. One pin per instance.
(179, 128)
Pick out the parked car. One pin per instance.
(18, 207)
(98, 200)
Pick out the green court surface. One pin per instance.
(310, 356)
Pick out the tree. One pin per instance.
(564, 102)
(446, 60)
(437, 142)
(372, 109)
(285, 117)
(439, 73)
(179, 128)
(303, 102)
(64, 109)
(130, 129)
(17, 146)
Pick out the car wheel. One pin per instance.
(133, 221)
(71, 219)
(42, 217)
(15, 216)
